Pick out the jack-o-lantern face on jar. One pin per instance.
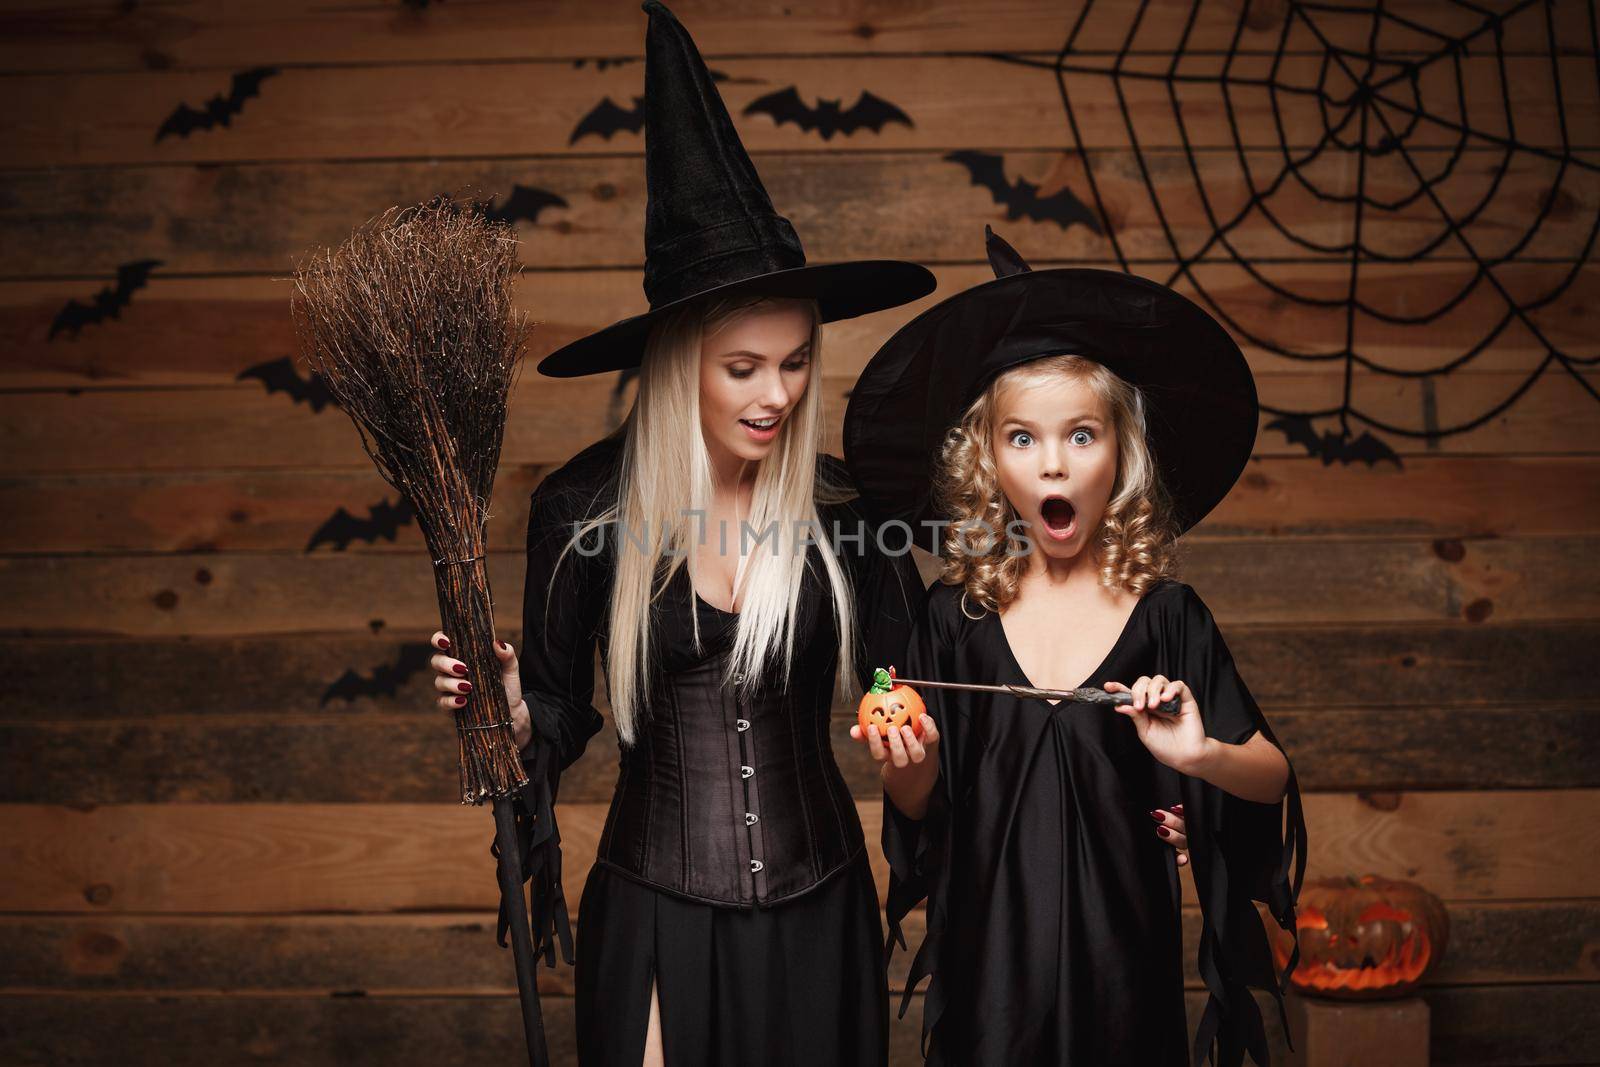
(887, 705)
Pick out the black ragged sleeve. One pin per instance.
(565, 596)
(1240, 851)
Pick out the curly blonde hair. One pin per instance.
(1136, 543)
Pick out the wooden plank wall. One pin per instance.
(212, 850)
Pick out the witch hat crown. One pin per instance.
(710, 226)
(709, 215)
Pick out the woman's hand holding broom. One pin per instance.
(450, 679)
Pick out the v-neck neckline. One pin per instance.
(1011, 654)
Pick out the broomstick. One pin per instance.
(410, 322)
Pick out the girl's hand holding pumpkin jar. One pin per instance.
(903, 739)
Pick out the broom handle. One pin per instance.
(505, 829)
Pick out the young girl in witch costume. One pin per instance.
(1079, 420)
(730, 916)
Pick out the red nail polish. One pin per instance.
(504, 647)
(460, 701)
(1163, 831)
(444, 642)
(461, 669)
(1177, 809)
(466, 687)
(1158, 816)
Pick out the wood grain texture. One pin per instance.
(205, 331)
(371, 758)
(188, 34)
(848, 204)
(1287, 667)
(468, 110)
(277, 858)
(280, 511)
(379, 955)
(1472, 1027)
(119, 430)
(1346, 581)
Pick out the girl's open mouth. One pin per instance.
(761, 429)
(1060, 519)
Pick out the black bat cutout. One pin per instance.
(1021, 198)
(606, 118)
(827, 118)
(525, 202)
(280, 376)
(383, 520)
(385, 679)
(219, 110)
(1331, 447)
(108, 302)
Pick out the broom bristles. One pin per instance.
(411, 324)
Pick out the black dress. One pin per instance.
(1053, 921)
(732, 869)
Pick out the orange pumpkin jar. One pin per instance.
(887, 705)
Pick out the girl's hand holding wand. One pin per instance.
(1178, 739)
(1254, 770)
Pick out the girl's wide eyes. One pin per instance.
(1023, 439)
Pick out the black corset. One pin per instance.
(734, 800)
(725, 799)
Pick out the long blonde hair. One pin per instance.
(1136, 543)
(653, 525)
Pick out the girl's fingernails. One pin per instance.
(1158, 816)
(461, 701)
(444, 642)
(466, 687)
(1163, 831)
(461, 669)
(1176, 809)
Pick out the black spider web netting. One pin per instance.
(1403, 189)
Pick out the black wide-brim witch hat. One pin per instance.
(1201, 410)
(710, 229)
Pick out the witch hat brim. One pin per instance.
(842, 291)
(710, 228)
(1201, 411)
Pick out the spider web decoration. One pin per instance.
(1419, 117)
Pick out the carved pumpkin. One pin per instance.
(1364, 938)
(887, 704)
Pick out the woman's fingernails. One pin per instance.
(1176, 809)
(1158, 816)
(1163, 831)
(444, 642)
(461, 669)
(461, 701)
(503, 646)
(466, 687)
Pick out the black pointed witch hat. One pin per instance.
(1201, 409)
(709, 226)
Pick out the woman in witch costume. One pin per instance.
(731, 915)
(1067, 425)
